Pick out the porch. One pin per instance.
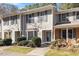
(67, 32)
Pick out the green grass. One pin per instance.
(62, 52)
(21, 50)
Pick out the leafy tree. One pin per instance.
(36, 5)
(65, 6)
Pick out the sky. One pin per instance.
(21, 5)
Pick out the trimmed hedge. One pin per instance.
(7, 41)
(20, 39)
(23, 43)
(31, 44)
(36, 41)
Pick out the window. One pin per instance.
(30, 18)
(6, 21)
(59, 16)
(65, 17)
(35, 33)
(31, 34)
(42, 16)
(63, 34)
(77, 16)
(14, 19)
(70, 33)
(74, 33)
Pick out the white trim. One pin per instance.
(67, 34)
(27, 35)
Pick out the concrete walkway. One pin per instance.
(38, 52)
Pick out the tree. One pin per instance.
(7, 9)
(36, 5)
(65, 6)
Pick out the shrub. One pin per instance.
(31, 44)
(36, 41)
(20, 39)
(58, 43)
(1, 43)
(23, 43)
(7, 41)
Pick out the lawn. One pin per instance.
(62, 52)
(20, 50)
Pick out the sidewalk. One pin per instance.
(38, 52)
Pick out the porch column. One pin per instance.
(67, 34)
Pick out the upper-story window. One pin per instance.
(65, 17)
(59, 17)
(30, 18)
(6, 21)
(42, 16)
(77, 16)
(14, 19)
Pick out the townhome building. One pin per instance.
(67, 25)
(34, 22)
(44, 22)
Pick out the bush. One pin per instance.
(36, 41)
(1, 43)
(23, 43)
(31, 44)
(7, 41)
(20, 39)
(58, 43)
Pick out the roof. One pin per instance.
(68, 25)
(39, 9)
(47, 7)
(69, 10)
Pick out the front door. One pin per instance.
(46, 36)
(17, 34)
(7, 35)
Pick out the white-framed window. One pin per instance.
(64, 17)
(31, 34)
(30, 18)
(71, 34)
(6, 21)
(43, 16)
(59, 18)
(14, 19)
(77, 15)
